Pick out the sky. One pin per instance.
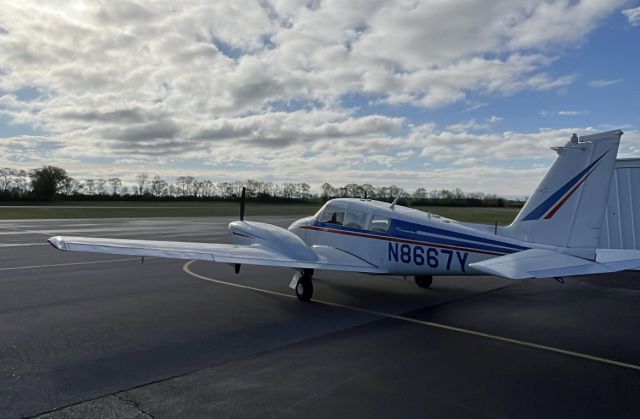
(436, 94)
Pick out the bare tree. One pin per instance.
(141, 181)
(420, 193)
(196, 187)
(289, 190)
(158, 186)
(21, 179)
(100, 186)
(277, 190)
(252, 187)
(181, 185)
(327, 190)
(369, 190)
(115, 183)
(90, 186)
(303, 190)
(226, 189)
(6, 178)
(208, 188)
(237, 187)
(69, 186)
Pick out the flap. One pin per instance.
(539, 263)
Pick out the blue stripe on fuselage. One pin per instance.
(405, 230)
(399, 229)
(435, 230)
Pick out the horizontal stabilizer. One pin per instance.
(619, 259)
(539, 263)
(322, 257)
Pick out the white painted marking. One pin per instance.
(90, 262)
(23, 244)
(100, 207)
(110, 231)
(518, 342)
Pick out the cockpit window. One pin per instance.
(332, 215)
(355, 219)
(379, 223)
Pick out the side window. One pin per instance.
(355, 219)
(379, 223)
(332, 215)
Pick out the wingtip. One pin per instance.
(57, 242)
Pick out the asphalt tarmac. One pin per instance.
(86, 335)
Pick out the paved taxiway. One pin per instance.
(88, 335)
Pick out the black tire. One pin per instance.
(304, 289)
(423, 281)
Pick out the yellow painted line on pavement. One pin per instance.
(518, 342)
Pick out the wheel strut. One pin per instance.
(302, 285)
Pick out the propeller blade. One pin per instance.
(242, 200)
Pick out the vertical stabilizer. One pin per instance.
(567, 208)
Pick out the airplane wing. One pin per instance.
(319, 257)
(539, 263)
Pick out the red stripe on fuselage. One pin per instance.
(398, 240)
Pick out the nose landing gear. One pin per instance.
(301, 283)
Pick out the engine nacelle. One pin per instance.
(273, 237)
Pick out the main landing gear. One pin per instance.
(423, 281)
(301, 283)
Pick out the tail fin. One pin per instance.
(567, 208)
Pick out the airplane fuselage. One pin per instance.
(400, 240)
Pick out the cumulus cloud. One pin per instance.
(604, 82)
(633, 15)
(258, 87)
(545, 112)
(572, 113)
(507, 146)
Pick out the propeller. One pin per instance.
(236, 267)
(242, 202)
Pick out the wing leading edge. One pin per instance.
(540, 263)
(324, 257)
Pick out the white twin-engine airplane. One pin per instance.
(555, 234)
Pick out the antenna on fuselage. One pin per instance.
(393, 204)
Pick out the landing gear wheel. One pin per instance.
(304, 288)
(423, 281)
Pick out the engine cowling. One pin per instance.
(271, 236)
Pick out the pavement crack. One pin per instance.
(135, 404)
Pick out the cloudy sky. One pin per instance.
(434, 93)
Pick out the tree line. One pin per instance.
(50, 182)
